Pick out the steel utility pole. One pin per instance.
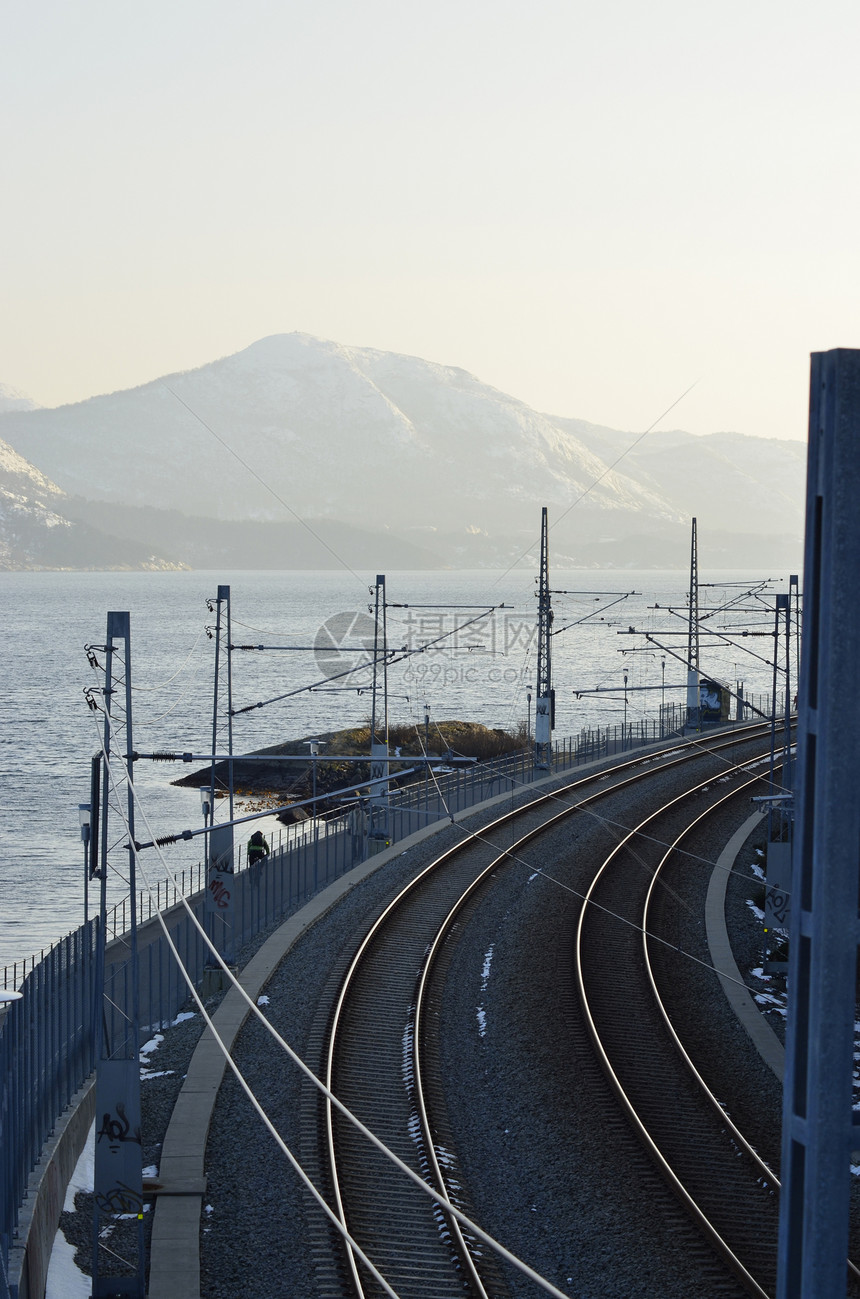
(426, 754)
(544, 694)
(118, 1173)
(91, 869)
(663, 697)
(378, 827)
(787, 774)
(220, 882)
(781, 604)
(693, 636)
(794, 586)
(819, 1126)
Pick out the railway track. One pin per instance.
(716, 1173)
(381, 1053)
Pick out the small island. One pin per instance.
(274, 784)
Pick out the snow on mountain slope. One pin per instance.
(383, 443)
(15, 467)
(12, 400)
(27, 508)
(35, 533)
(514, 450)
(368, 437)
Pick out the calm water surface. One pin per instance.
(48, 735)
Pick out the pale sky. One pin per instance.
(588, 205)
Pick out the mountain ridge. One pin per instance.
(299, 427)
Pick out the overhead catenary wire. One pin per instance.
(391, 657)
(517, 687)
(643, 713)
(515, 857)
(153, 721)
(346, 790)
(267, 486)
(665, 649)
(155, 689)
(256, 816)
(599, 479)
(451, 753)
(612, 825)
(556, 631)
(138, 689)
(721, 638)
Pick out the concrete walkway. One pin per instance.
(741, 1000)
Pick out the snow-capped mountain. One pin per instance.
(367, 437)
(295, 426)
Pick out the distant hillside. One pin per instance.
(251, 544)
(37, 532)
(370, 438)
(420, 465)
(12, 400)
(755, 485)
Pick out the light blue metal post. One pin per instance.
(818, 1132)
(118, 1164)
(378, 828)
(221, 880)
(544, 693)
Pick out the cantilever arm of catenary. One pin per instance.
(311, 1076)
(391, 657)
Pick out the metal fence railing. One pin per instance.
(46, 1053)
(46, 1038)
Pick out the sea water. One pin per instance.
(473, 670)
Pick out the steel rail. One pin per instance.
(618, 1086)
(647, 935)
(658, 999)
(646, 763)
(445, 929)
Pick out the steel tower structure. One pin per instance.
(379, 802)
(220, 883)
(118, 1166)
(544, 694)
(693, 634)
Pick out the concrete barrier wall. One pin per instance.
(30, 1256)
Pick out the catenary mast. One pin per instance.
(693, 635)
(545, 695)
(379, 803)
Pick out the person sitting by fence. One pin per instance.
(258, 849)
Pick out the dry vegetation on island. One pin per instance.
(262, 784)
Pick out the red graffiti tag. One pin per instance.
(220, 892)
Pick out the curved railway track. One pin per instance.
(378, 1061)
(716, 1173)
